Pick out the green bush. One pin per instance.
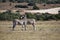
(37, 16)
(8, 16)
(35, 7)
(21, 6)
(30, 15)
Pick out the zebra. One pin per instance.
(24, 21)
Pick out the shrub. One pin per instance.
(35, 7)
(9, 16)
(29, 15)
(37, 16)
(59, 12)
(21, 6)
(3, 0)
(31, 4)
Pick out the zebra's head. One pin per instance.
(22, 16)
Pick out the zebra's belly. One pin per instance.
(30, 22)
(20, 22)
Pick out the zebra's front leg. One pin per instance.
(25, 23)
(25, 27)
(22, 27)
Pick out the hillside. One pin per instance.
(8, 5)
(35, 1)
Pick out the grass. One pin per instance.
(45, 30)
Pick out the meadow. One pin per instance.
(45, 30)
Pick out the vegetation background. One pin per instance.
(38, 16)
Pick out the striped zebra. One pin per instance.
(24, 21)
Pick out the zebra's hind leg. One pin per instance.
(14, 24)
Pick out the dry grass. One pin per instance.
(45, 30)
